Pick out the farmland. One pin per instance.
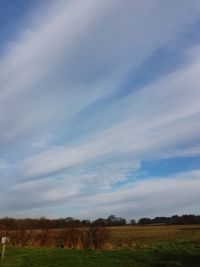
(136, 246)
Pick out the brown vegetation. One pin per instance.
(93, 237)
(99, 237)
(102, 233)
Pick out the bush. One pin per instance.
(93, 237)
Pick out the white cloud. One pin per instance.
(153, 197)
(4, 164)
(78, 53)
(158, 117)
(71, 58)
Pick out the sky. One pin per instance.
(99, 108)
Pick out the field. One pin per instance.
(148, 246)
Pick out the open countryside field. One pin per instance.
(136, 246)
(139, 236)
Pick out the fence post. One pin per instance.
(3, 242)
(3, 251)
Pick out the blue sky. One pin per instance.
(99, 108)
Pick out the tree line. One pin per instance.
(112, 220)
(173, 220)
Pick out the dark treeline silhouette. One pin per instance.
(112, 220)
(69, 222)
(173, 220)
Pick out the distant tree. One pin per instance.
(189, 219)
(69, 221)
(132, 222)
(85, 223)
(7, 223)
(161, 220)
(144, 221)
(113, 220)
(121, 221)
(175, 219)
(100, 222)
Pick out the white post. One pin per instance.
(3, 251)
(3, 242)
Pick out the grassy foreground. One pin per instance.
(152, 246)
(168, 255)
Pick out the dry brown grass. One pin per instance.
(94, 237)
(106, 238)
(137, 236)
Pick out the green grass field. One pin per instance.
(160, 246)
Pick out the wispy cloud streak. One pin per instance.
(73, 124)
